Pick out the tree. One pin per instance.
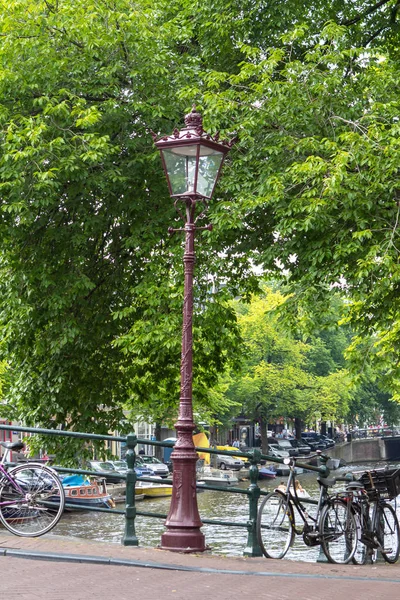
(281, 376)
(316, 178)
(84, 211)
(84, 207)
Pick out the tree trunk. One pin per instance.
(297, 426)
(264, 438)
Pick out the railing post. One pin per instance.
(253, 547)
(130, 538)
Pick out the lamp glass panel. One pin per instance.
(209, 166)
(181, 169)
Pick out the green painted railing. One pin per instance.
(129, 537)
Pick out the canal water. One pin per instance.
(229, 541)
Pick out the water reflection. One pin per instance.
(229, 541)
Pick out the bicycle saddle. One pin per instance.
(355, 486)
(13, 445)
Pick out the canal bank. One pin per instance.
(367, 450)
(61, 568)
(214, 507)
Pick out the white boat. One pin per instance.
(218, 477)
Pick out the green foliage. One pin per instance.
(283, 376)
(153, 348)
(84, 210)
(310, 194)
(315, 174)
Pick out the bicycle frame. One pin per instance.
(371, 525)
(296, 502)
(332, 525)
(373, 513)
(5, 475)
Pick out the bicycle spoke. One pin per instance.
(35, 504)
(274, 526)
(338, 532)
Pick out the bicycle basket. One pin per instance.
(384, 482)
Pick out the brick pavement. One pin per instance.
(66, 569)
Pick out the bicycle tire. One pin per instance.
(388, 532)
(36, 507)
(338, 532)
(274, 525)
(362, 551)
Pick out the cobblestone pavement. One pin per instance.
(66, 569)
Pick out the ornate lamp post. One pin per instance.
(192, 161)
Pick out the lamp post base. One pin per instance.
(183, 522)
(185, 542)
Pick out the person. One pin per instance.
(235, 444)
(281, 487)
(141, 451)
(300, 491)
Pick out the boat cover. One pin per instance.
(73, 480)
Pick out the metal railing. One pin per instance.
(129, 538)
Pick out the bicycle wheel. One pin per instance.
(388, 532)
(338, 531)
(363, 523)
(34, 504)
(274, 525)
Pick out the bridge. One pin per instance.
(368, 450)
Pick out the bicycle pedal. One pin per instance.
(313, 534)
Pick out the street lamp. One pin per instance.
(192, 161)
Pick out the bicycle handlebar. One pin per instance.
(295, 461)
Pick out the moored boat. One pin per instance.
(218, 477)
(80, 491)
(152, 490)
(283, 470)
(266, 473)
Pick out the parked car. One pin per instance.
(284, 445)
(141, 469)
(122, 467)
(106, 470)
(119, 465)
(328, 441)
(275, 450)
(155, 465)
(229, 462)
(232, 449)
(313, 439)
(303, 448)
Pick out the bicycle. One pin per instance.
(333, 526)
(31, 496)
(378, 526)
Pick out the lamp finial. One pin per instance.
(194, 120)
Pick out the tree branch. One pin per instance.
(365, 13)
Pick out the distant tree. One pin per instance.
(283, 376)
